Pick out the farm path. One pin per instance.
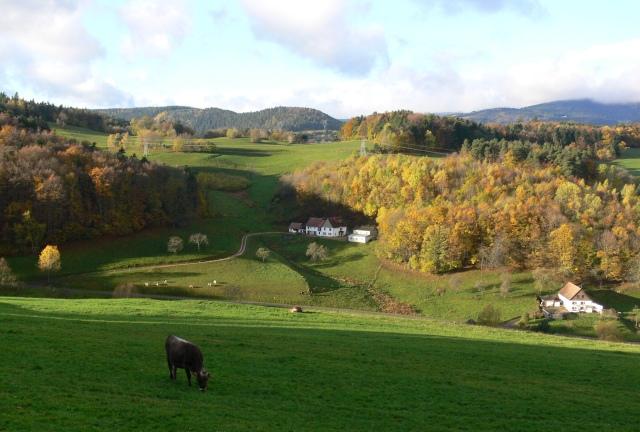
(240, 252)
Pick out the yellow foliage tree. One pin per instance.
(562, 247)
(49, 260)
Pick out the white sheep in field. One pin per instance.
(165, 282)
(209, 284)
(190, 286)
(157, 283)
(146, 284)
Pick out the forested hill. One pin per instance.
(201, 120)
(579, 111)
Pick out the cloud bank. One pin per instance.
(320, 31)
(45, 47)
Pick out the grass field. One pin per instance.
(100, 366)
(630, 160)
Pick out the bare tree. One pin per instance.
(175, 244)
(544, 279)
(198, 239)
(505, 285)
(317, 252)
(263, 253)
(494, 255)
(7, 278)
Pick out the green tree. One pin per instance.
(435, 250)
(30, 232)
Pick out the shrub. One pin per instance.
(608, 330)
(543, 326)
(7, 278)
(524, 320)
(489, 315)
(124, 290)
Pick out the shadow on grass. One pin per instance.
(238, 151)
(612, 299)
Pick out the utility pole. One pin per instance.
(324, 122)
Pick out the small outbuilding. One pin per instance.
(296, 228)
(363, 234)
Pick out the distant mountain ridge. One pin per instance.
(578, 111)
(201, 120)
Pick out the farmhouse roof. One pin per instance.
(571, 290)
(315, 222)
(366, 228)
(335, 221)
(296, 225)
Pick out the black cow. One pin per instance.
(185, 355)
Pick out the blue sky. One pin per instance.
(346, 57)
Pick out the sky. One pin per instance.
(345, 57)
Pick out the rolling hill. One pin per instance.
(100, 365)
(201, 120)
(579, 111)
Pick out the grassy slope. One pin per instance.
(81, 134)
(235, 215)
(100, 366)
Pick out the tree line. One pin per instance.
(37, 115)
(54, 190)
(293, 119)
(409, 132)
(459, 212)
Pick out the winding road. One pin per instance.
(240, 252)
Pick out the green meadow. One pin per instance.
(100, 365)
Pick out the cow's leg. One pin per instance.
(170, 369)
(188, 375)
(174, 370)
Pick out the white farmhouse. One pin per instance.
(571, 298)
(363, 234)
(325, 227)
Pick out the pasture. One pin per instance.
(101, 366)
(630, 159)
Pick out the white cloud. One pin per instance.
(605, 73)
(45, 47)
(531, 8)
(321, 31)
(155, 27)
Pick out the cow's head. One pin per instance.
(203, 379)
